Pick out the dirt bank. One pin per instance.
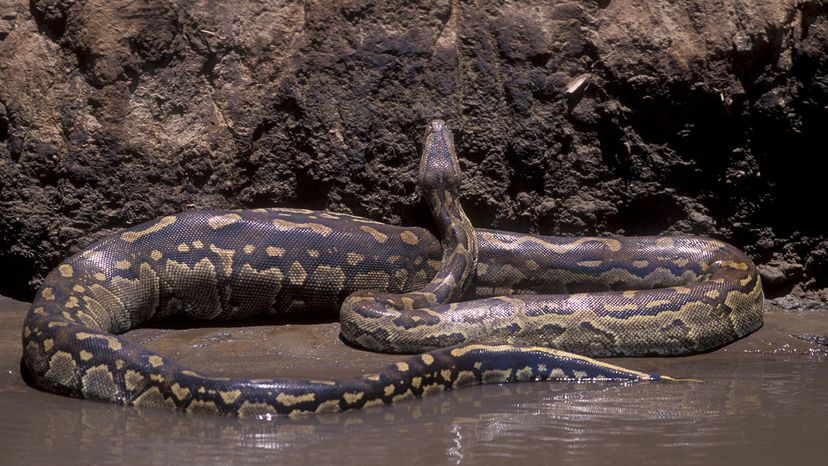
(689, 117)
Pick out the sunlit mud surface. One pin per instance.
(763, 400)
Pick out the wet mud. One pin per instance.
(761, 400)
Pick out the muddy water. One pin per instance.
(762, 401)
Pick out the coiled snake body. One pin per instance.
(480, 305)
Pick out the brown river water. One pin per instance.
(762, 400)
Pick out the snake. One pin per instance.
(469, 306)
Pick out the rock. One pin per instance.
(689, 117)
(778, 271)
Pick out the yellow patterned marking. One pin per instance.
(579, 374)
(221, 221)
(99, 276)
(156, 255)
(157, 378)
(131, 236)
(323, 382)
(621, 308)
(226, 258)
(230, 397)
(248, 248)
(374, 402)
(155, 361)
(525, 374)
(496, 375)
(62, 368)
(681, 262)
(66, 270)
(629, 293)
(389, 390)
(275, 252)
(180, 392)
(123, 265)
(445, 374)
(416, 381)
(372, 377)
(353, 397)
(57, 324)
(48, 294)
(330, 406)
(152, 398)
(183, 247)
(288, 400)
(406, 395)
(202, 407)
(656, 303)
(297, 274)
(665, 242)
(85, 355)
(402, 366)
(640, 264)
(250, 409)
(111, 340)
(48, 344)
(734, 265)
(71, 303)
(712, 294)
(78, 289)
(464, 378)
(354, 258)
(313, 253)
(557, 374)
(314, 227)
(98, 383)
(409, 237)
(197, 244)
(432, 389)
(427, 358)
(590, 263)
(133, 380)
(378, 235)
(611, 244)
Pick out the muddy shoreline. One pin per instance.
(761, 400)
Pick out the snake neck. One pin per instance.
(440, 181)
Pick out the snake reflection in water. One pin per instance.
(479, 306)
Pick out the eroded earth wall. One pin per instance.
(612, 117)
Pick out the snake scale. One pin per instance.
(479, 306)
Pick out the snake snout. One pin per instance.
(439, 168)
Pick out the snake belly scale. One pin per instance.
(478, 306)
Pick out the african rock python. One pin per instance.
(591, 296)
